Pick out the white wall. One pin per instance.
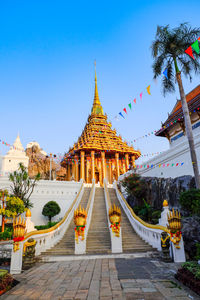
(63, 192)
(178, 153)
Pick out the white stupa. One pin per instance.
(14, 156)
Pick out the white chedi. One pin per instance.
(14, 156)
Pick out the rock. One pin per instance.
(191, 234)
(39, 163)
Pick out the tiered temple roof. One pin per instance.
(98, 134)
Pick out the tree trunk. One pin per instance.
(188, 128)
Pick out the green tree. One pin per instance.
(168, 51)
(22, 185)
(135, 187)
(190, 201)
(51, 209)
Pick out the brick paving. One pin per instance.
(104, 279)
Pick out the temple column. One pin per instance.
(87, 171)
(76, 168)
(92, 165)
(117, 164)
(73, 171)
(82, 165)
(133, 161)
(124, 167)
(103, 165)
(110, 171)
(68, 172)
(127, 161)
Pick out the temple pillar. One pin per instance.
(110, 171)
(117, 165)
(127, 161)
(103, 165)
(82, 165)
(87, 171)
(76, 168)
(92, 165)
(133, 161)
(68, 172)
(124, 167)
(73, 171)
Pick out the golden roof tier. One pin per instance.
(99, 152)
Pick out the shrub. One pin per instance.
(51, 209)
(190, 201)
(135, 187)
(6, 280)
(49, 225)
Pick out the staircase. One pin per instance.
(98, 239)
(131, 242)
(66, 246)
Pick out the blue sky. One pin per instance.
(47, 52)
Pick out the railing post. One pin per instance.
(80, 246)
(116, 241)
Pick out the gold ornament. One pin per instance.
(115, 219)
(174, 220)
(80, 220)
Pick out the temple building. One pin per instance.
(99, 152)
(176, 161)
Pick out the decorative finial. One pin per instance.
(165, 203)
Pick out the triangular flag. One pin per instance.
(129, 105)
(189, 52)
(195, 46)
(148, 89)
(198, 39)
(141, 96)
(165, 73)
(125, 110)
(134, 100)
(121, 115)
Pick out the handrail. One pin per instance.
(163, 228)
(58, 224)
(90, 197)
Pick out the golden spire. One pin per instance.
(96, 108)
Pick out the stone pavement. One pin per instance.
(104, 279)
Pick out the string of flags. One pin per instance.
(134, 101)
(193, 47)
(165, 165)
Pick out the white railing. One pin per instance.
(148, 232)
(116, 241)
(46, 238)
(80, 246)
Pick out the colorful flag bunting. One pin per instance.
(121, 115)
(165, 73)
(189, 52)
(195, 46)
(140, 96)
(125, 110)
(148, 89)
(129, 105)
(134, 100)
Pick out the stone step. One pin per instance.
(131, 242)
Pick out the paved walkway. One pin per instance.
(104, 279)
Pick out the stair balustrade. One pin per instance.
(149, 232)
(116, 241)
(47, 238)
(80, 246)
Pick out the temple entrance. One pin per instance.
(96, 177)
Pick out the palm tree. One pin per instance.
(168, 51)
